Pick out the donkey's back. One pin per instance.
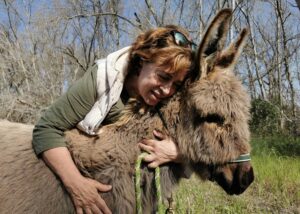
(27, 184)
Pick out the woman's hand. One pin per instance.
(85, 195)
(83, 191)
(160, 151)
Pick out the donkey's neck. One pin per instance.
(169, 115)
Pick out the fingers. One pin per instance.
(86, 197)
(102, 205)
(92, 210)
(148, 142)
(99, 206)
(153, 164)
(79, 210)
(103, 187)
(159, 135)
(146, 148)
(95, 209)
(88, 211)
(100, 202)
(160, 149)
(151, 160)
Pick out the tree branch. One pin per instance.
(158, 23)
(103, 14)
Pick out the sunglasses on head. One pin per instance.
(181, 40)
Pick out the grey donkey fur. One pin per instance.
(208, 119)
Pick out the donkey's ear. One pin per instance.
(213, 41)
(229, 57)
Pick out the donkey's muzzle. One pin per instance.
(235, 178)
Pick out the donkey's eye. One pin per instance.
(210, 118)
(214, 118)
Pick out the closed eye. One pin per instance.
(177, 85)
(164, 77)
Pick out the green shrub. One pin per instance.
(264, 117)
(278, 145)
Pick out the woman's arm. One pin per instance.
(48, 141)
(65, 113)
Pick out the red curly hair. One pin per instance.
(159, 47)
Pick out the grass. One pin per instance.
(276, 188)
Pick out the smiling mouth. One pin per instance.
(156, 96)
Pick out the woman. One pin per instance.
(152, 69)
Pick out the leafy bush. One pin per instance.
(264, 117)
(278, 145)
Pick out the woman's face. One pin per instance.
(154, 85)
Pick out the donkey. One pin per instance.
(208, 118)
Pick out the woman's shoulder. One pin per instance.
(116, 59)
(113, 65)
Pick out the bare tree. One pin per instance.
(45, 47)
(298, 3)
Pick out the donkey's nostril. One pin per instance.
(243, 181)
(247, 178)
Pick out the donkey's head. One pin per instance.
(216, 111)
